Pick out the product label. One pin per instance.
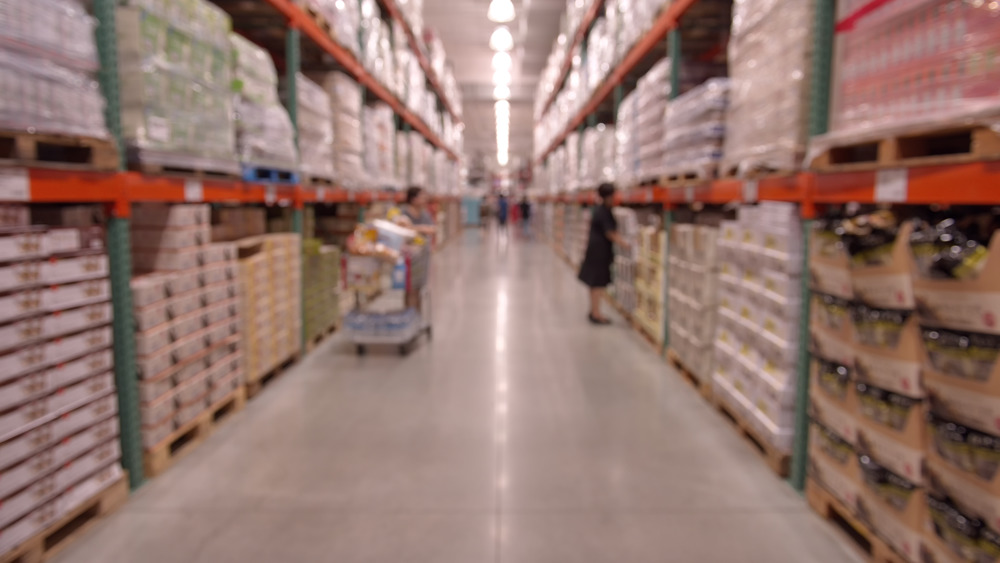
(14, 184)
(193, 190)
(967, 407)
(983, 504)
(832, 280)
(898, 458)
(892, 185)
(893, 375)
(889, 292)
(974, 311)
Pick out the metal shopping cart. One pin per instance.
(392, 300)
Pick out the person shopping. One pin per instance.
(595, 271)
(417, 210)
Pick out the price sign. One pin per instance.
(689, 194)
(751, 191)
(350, 196)
(14, 185)
(270, 195)
(892, 185)
(194, 190)
(320, 194)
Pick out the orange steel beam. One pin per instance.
(954, 184)
(581, 32)
(666, 21)
(299, 19)
(394, 13)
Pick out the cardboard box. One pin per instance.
(35, 357)
(220, 252)
(902, 417)
(154, 412)
(844, 486)
(972, 305)
(146, 238)
(780, 437)
(977, 497)
(26, 500)
(964, 402)
(22, 243)
(22, 474)
(831, 280)
(898, 373)
(62, 297)
(834, 417)
(831, 314)
(170, 260)
(171, 215)
(87, 489)
(20, 275)
(833, 381)
(29, 526)
(191, 411)
(193, 389)
(897, 531)
(55, 271)
(185, 303)
(148, 289)
(87, 464)
(775, 398)
(903, 459)
(218, 272)
(889, 286)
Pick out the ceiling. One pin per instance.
(465, 31)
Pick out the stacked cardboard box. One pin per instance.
(652, 90)
(186, 318)
(345, 105)
(270, 278)
(650, 281)
(320, 287)
(624, 267)
(693, 280)
(868, 409)
(58, 429)
(337, 227)
(315, 128)
(264, 132)
(695, 129)
(757, 342)
(234, 223)
(693, 276)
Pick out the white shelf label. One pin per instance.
(14, 184)
(350, 196)
(320, 194)
(270, 195)
(751, 190)
(892, 185)
(193, 190)
(689, 194)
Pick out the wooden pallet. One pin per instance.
(778, 461)
(163, 163)
(73, 525)
(681, 179)
(192, 434)
(319, 338)
(318, 182)
(255, 387)
(832, 510)
(933, 147)
(18, 148)
(319, 19)
(703, 387)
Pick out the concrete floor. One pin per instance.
(521, 434)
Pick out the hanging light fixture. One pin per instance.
(501, 78)
(501, 39)
(501, 92)
(502, 60)
(501, 11)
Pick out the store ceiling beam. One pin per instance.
(581, 33)
(417, 47)
(667, 20)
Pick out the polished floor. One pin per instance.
(521, 434)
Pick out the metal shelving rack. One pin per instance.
(925, 184)
(119, 190)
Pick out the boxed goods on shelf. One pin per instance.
(769, 68)
(270, 299)
(379, 139)
(694, 131)
(176, 85)
(320, 288)
(264, 133)
(315, 129)
(929, 77)
(597, 160)
(58, 430)
(692, 271)
(342, 19)
(48, 59)
(627, 141)
(652, 92)
(187, 319)
(624, 267)
(650, 282)
(346, 106)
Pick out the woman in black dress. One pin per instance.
(595, 271)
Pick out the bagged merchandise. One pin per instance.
(652, 93)
(769, 66)
(403, 169)
(624, 266)
(264, 132)
(344, 19)
(420, 159)
(175, 76)
(572, 161)
(315, 126)
(48, 60)
(379, 137)
(346, 107)
(932, 71)
(376, 46)
(597, 164)
(627, 142)
(695, 129)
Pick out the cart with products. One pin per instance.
(391, 297)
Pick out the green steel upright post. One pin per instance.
(297, 227)
(819, 104)
(107, 51)
(293, 63)
(800, 447)
(674, 51)
(120, 257)
(668, 223)
(123, 329)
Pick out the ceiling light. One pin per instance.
(502, 107)
(502, 158)
(501, 78)
(501, 11)
(502, 60)
(501, 39)
(501, 92)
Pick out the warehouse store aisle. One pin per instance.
(520, 434)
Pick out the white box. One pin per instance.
(74, 268)
(20, 275)
(148, 289)
(32, 358)
(161, 408)
(22, 244)
(87, 464)
(29, 526)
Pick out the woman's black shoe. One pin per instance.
(597, 321)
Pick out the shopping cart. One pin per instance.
(398, 312)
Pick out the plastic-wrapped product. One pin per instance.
(695, 129)
(264, 132)
(931, 71)
(769, 66)
(346, 108)
(627, 141)
(652, 92)
(47, 61)
(379, 137)
(315, 128)
(573, 161)
(176, 82)
(344, 19)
